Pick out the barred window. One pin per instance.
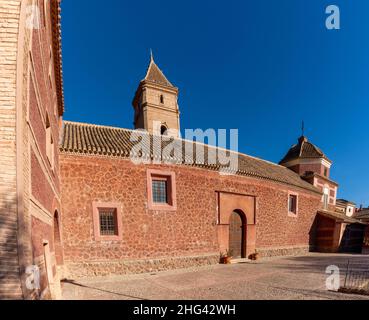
(292, 203)
(108, 221)
(159, 191)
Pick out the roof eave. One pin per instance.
(56, 31)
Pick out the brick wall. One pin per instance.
(27, 91)
(9, 272)
(162, 236)
(42, 189)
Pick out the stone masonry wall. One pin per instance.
(168, 237)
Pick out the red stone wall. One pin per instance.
(190, 230)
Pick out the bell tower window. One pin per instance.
(163, 130)
(161, 99)
(325, 172)
(325, 198)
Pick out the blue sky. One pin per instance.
(259, 66)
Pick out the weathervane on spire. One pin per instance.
(303, 128)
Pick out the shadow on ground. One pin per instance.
(75, 283)
(317, 263)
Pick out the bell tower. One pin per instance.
(155, 103)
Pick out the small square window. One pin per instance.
(108, 221)
(161, 190)
(292, 204)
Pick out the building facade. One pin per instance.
(181, 213)
(346, 207)
(75, 202)
(190, 227)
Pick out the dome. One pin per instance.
(303, 150)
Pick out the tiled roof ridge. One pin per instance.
(341, 216)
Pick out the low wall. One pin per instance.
(283, 251)
(122, 267)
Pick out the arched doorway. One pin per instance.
(237, 234)
(57, 240)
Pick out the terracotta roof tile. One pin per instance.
(79, 138)
(362, 215)
(341, 217)
(154, 74)
(303, 149)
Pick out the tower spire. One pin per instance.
(151, 55)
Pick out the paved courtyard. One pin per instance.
(298, 277)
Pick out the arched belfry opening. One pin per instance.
(163, 130)
(57, 240)
(237, 234)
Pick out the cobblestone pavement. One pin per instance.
(298, 277)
